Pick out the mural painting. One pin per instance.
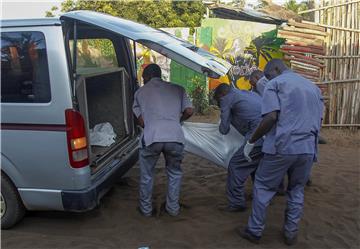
(246, 45)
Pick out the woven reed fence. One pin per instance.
(340, 76)
(303, 45)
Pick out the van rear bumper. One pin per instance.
(83, 200)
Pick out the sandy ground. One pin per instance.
(331, 217)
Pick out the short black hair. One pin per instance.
(256, 73)
(275, 63)
(152, 70)
(221, 89)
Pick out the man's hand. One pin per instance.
(247, 150)
(141, 121)
(188, 112)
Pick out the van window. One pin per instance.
(95, 53)
(24, 68)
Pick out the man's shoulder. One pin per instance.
(293, 76)
(174, 86)
(290, 78)
(148, 86)
(263, 80)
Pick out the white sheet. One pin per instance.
(102, 135)
(205, 140)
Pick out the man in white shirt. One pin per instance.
(160, 107)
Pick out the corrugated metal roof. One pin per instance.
(244, 14)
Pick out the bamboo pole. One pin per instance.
(340, 125)
(337, 27)
(305, 61)
(302, 44)
(332, 44)
(340, 81)
(337, 56)
(305, 31)
(303, 49)
(327, 7)
(315, 42)
(305, 25)
(357, 39)
(334, 73)
(301, 35)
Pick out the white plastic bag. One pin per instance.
(102, 135)
(205, 140)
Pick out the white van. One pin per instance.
(53, 93)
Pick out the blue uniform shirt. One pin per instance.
(260, 85)
(161, 105)
(300, 107)
(242, 109)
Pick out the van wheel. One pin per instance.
(12, 208)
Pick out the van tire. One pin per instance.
(15, 209)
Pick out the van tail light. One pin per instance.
(76, 139)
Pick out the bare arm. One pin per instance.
(268, 121)
(187, 113)
(140, 121)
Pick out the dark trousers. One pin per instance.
(149, 155)
(269, 174)
(239, 170)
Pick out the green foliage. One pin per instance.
(199, 96)
(50, 13)
(221, 47)
(296, 7)
(158, 14)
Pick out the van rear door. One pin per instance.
(164, 43)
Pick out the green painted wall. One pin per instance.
(183, 76)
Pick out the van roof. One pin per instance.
(48, 21)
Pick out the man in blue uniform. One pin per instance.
(242, 109)
(258, 82)
(292, 109)
(160, 108)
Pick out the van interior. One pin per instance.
(103, 88)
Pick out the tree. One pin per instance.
(304, 5)
(50, 13)
(158, 14)
(296, 7)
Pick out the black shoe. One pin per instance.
(153, 212)
(290, 241)
(164, 210)
(231, 209)
(309, 182)
(322, 140)
(249, 236)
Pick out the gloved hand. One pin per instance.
(247, 150)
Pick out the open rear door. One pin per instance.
(160, 41)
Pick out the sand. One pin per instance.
(331, 216)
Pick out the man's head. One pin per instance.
(151, 71)
(221, 91)
(255, 76)
(274, 68)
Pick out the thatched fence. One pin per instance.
(340, 76)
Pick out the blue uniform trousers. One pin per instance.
(239, 170)
(270, 173)
(149, 155)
